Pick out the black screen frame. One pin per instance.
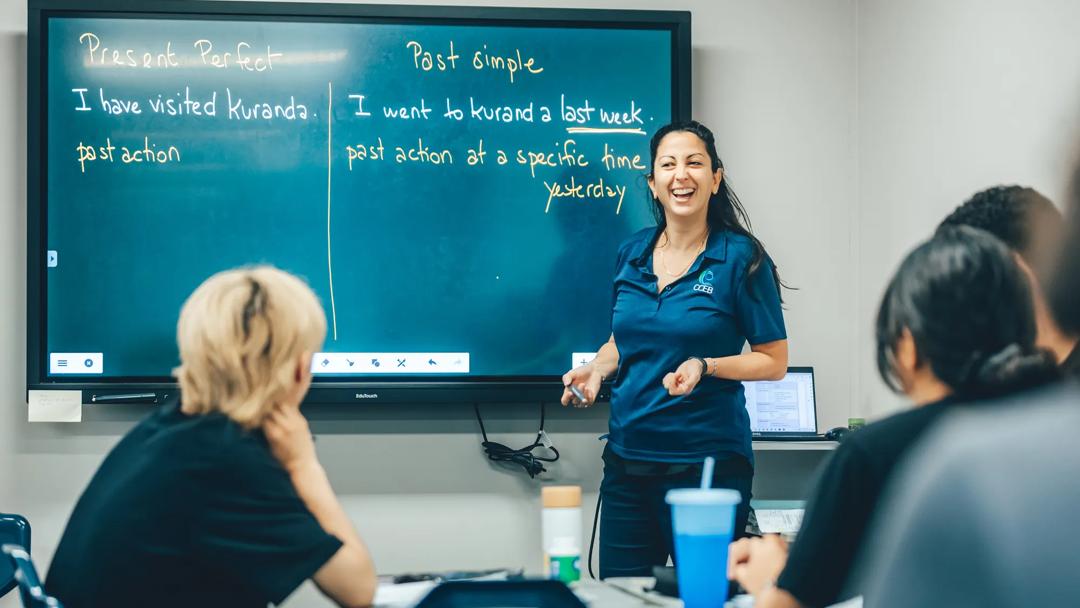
(336, 390)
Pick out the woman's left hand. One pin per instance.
(684, 379)
(290, 438)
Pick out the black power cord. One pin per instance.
(533, 464)
(592, 537)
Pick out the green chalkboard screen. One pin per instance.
(453, 183)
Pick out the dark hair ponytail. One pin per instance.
(725, 209)
(1010, 370)
(968, 308)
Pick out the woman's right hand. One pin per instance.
(587, 379)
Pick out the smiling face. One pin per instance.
(682, 179)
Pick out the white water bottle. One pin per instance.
(560, 526)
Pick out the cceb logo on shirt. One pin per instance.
(704, 282)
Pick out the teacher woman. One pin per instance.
(688, 295)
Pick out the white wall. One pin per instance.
(12, 237)
(953, 97)
(849, 129)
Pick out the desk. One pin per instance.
(623, 592)
(618, 592)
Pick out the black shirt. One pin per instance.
(1070, 367)
(843, 501)
(188, 511)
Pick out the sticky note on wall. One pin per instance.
(55, 406)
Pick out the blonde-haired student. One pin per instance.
(220, 500)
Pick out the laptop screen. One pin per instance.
(783, 406)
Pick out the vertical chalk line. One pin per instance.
(329, 167)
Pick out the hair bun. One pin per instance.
(990, 367)
(1012, 369)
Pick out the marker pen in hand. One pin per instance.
(577, 393)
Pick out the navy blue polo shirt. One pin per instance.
(711, 311)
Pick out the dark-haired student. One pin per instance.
(689, 294)
(1029, 224)
(985, 514)
(933, 349)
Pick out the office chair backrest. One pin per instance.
(14, 529)
(33, 594)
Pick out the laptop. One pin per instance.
(783, 410)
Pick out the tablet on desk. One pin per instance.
(536, 593)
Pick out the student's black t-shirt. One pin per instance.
(188, 511)
(1070, 367)
(843, 501)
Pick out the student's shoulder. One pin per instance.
(899, 423)
(170, 429)
(885, 440)
(250, 448)
(243, 464)
(897, 420)
(219, 442)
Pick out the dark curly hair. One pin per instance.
(968, 307)
(1014, 214)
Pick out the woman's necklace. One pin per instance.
(663, 263)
